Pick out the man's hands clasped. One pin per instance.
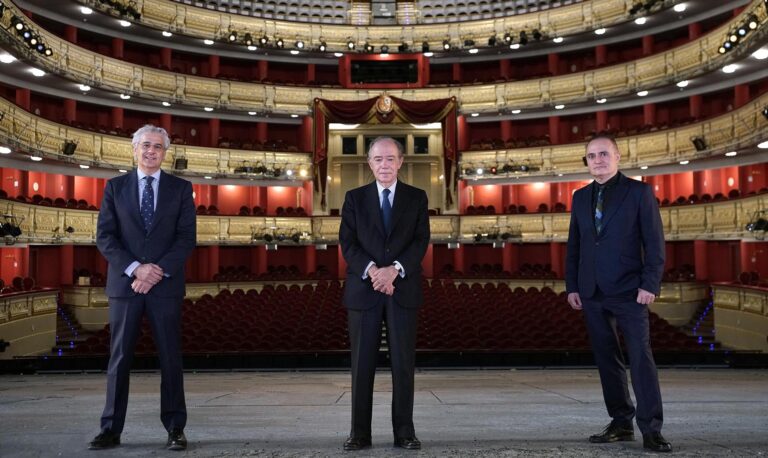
(383, 279)
(146, 276)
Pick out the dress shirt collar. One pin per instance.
(391, 190)
(155, 175)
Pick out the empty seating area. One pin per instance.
(273, 273)
(706, 198)
(257, 210)
(455, 317)
(493, 271)
(18, 285)
(514, 209)
(325, 11)
(436, 11)
(255, 145)
(37, 199)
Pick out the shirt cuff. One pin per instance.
(400, 268)
(365, 272)
(129, 270)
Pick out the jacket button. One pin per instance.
(597, 243)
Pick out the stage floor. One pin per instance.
(458, 413)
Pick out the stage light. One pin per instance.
(699, 143)
(425, 50)
(351, 45)
(446, 45)
(280, 43)
(263, 40)
(508, 38)
(752, 22)
(536, 34)
(299, 44)
(523, 38)
(368, 47)
(765, 112)
(384, 50)
(232, 36)
(167, 34)
(248, 39)
(403, 47)
(492, 41)
(323, 46)
(208, 42)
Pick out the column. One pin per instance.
(463, 132)
(647, 45)
(70, 34)
(70, 110)
(117, 117)
(456, 72)
(553, 63)
(745, 258)
(506, 129)
(213, 262)
(118, 48)
(310, 72)
(67, 260)
(263, 69)
(601, 121)
(310, 260)
(700, 260)
(510, 257)
(166, 122)
(554, 130)
(166, 58)
(504, 68)
(261, 132)
(556, 258)
(601, 55)
(214, 125)
(214, 66)
(740, 95)
(428, 263)
(458, 259)
(694, 106)
(649, 113)
(24, 98)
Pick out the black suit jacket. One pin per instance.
(363, 239)
(629, 251)
(120, 233)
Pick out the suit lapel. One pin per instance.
(374, 206)
(131, 195)
(398, 205)
(617, 199)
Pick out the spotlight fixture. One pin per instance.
(17, 23)
(351, 45)
(492, 41)
(263, 40)
(425, 49)
(752, 22)
(248, 39)
(765, 112)
(508, 38)
(232, 37)
(403, 47)
(323, 46)
(536, 34)
(299, 44)
(280, 43)
(446, 45)
(368, 47)
(523, 38)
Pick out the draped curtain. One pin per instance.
(367, 111)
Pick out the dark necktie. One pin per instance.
(599, 209)
(386, 210)
(147, 203)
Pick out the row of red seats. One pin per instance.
(513, 209)
(455, 317)
(255, 211)
(60, 202)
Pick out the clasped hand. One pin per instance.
(146, 276)
(383, 279)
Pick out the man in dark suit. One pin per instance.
(384, 235)
(146, 230)
(614, 266)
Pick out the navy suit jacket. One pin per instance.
(120, 233)
(363, 239)
(629, 251)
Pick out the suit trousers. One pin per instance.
(603, 315)
(164, 315)
(365, 339)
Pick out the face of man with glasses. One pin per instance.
(602, 159)
(149, 153)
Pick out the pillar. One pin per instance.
(456, 72)
(556, 258)
(67, 260)
(601, 55)
(70, 110)
(259, 260)
(166, 122)
(118, 48)
(214, 125)
(24, 98)
(601, 120)
(649, 113)
(261, 132)
(310, 72)
(554, 130)
(463, 132)
(504, 68)
(70, 34)
(263, 69)
(740, 95)
(553, 63)
(118, 115)
(214, 65)
(745, 257)
(648, 45)
(694, 106)
(506, 129)
(458, 259)
(166, 57)
(213, 262)
(310, 260)
(510, 257)
(700, 260)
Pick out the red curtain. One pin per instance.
(366, 111)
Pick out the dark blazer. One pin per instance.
(629, 251)
(121, 239)
(363, 240)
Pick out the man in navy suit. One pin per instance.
(614, 266)
(146, 230)
(384, 235)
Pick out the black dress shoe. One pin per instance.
(176, 440)
(105, 439)
(357, 443)
(408, 443)
(656, 443)
(614, 432)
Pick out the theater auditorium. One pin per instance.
(271, 107)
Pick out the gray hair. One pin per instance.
(400, 149)
(150, 129)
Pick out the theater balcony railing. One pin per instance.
(661, 69)
(213, 24)
(741, 316)
(28, 322)
(740, 128)
(711, 221)
(34, 134)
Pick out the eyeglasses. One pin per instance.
(146, 146)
